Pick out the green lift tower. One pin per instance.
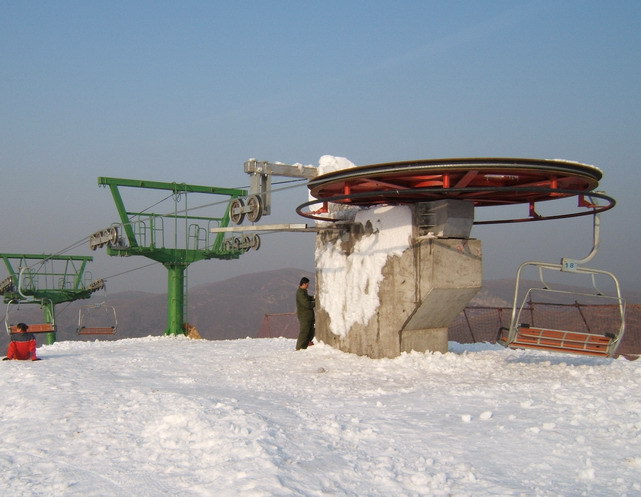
(44, 280)
(176, 239)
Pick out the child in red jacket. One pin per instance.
(23, 345)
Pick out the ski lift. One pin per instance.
(587, 341)
(11, 323)
(603, 342)
(97, 319)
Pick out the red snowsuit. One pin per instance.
(22, 347)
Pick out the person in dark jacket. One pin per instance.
(22, 346)
(305, 314)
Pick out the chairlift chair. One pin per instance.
(528, 336)
(97, 319)
(12, 327)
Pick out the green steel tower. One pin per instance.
(175, 239)
(44, 280)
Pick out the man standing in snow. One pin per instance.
(23, 345)
(305, 313)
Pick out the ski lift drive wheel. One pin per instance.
(236, 213)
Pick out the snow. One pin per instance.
(330, 163)
(351, 278)
(167, 416)
(351, 275)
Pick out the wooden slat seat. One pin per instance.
(36, 328)
(103, 330)
(562, 341)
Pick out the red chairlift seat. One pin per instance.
(572, 342)
(11, 321)
(35, 328)
(523, 336)
(103, 330)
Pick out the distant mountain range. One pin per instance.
(229, 309)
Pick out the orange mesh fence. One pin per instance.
(279, 325)
(482, 324)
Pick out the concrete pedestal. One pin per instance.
(421, 292)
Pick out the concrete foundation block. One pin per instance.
(429, 339)
(422, 290)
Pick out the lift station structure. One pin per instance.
(426, 286)
(44, 280)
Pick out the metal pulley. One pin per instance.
(253, 209)
(242, 243)
(96, 285)
(6, 285)
(255, 241)
(236, 212)
(108, 236)
(255, 206)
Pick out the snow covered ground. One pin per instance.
(165, 416)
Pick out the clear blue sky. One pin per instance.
(187, 91)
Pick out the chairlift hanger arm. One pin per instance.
(572, 264)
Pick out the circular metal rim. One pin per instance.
(467, 163)
(593, 209)
(574, 176)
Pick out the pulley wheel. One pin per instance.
(247, 243)
(255, 242)
(236, 213)
(255, 205)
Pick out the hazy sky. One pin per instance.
(187, 91)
